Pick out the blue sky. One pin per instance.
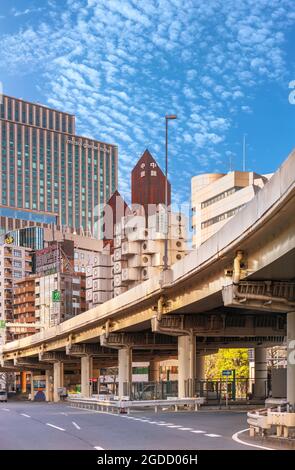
(223, 67)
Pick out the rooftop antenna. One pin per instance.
(244, 152)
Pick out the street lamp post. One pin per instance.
(167, 118)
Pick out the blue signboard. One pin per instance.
(227, 372)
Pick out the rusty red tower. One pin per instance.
(148, 183)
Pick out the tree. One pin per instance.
(225, 359)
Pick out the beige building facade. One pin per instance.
(216, 197)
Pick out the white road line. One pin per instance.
(175, 426)
(198, 432)
(5, 409)
(76, 425)
(185, 429)
(56, 427)
(236, 438)
(26, 416)
(99, 448)
(212, 435)
(164, 424)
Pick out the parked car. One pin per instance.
(3, 395)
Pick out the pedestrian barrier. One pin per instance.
(272, 421)
(125, 405)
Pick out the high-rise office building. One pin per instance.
(48, 173)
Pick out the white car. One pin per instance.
(3, 395)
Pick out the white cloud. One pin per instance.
(122, 65)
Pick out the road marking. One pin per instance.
(198, 432)
(212, 435)
(76, 425)
(56, 427)
(236, 438)
(63, 413)
(185, 429)
(99, 448)
(164, 424)
(175, 426)
(5, 409)
(26, 416)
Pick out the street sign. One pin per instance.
(56, 296)
(2, 323)
(227, 373)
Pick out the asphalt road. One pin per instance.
(25, 425)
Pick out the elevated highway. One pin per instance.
(204, 292)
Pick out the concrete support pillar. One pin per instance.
(58, 379)
(48, 385)
(125, 371)
(86, 375)
(260, 384)
(23, 380)
(32, 386)
(200, 367)
(154, 370)
(186, 365)
(291, 358)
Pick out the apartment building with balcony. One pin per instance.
(15, 263)
(24, 306)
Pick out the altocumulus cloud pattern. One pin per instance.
(122, 65)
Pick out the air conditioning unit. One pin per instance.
(89, 282)
(117, 241)
(146, 260)
(148, 273)
(130, 274)
(138, 234)
(119, 290)
(102, 272)
(102, 285)
(130, 248)
(117, 267)
(117, 280)
(88, 294)
(104, 260)
(117, 254)
(176, 219)
(176, 245)
(101, 297)
(134, 261)
(89, 271)
(176, 256)
(149, 246)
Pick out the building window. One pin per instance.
(220, 196)
(220, 217)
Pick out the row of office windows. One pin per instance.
(220, 196)
(34, 115)
(220, 217)
(38, 158)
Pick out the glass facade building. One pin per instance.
(45, 167)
